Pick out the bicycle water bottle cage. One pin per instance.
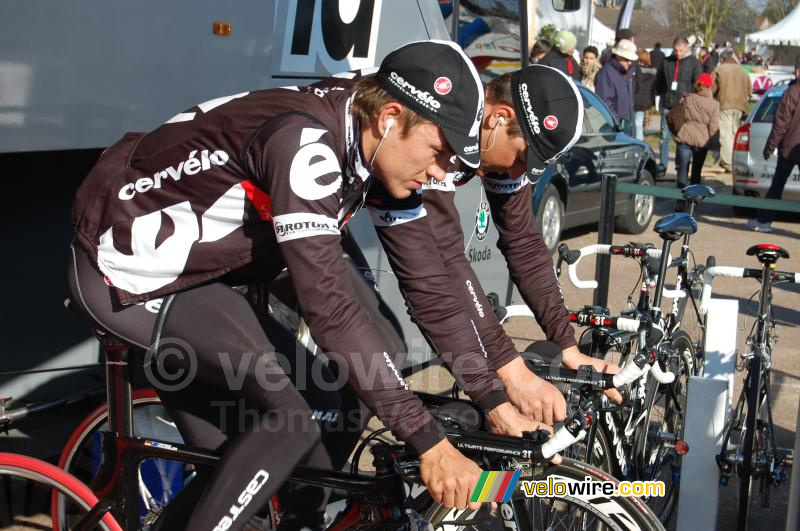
(673, 226)
(767, 253)
(695, 193)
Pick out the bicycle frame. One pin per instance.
(116, 481)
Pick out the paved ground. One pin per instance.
(721, 234)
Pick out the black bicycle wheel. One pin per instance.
(601, 451)
(657, 458)
(571, 511)
(748, 440)
(688, 315)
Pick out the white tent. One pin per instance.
(601, 35)
(784, 33)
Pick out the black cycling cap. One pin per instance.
(549, 109)
(438, 81)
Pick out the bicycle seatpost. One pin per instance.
(685, 245)
(763, 304)
(118, 384)
(662, 274)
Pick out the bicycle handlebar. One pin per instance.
(633, 251)
(737, 272)
(596, 319)
(571, 432)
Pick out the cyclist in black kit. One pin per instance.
(532, 116)
(233, 191)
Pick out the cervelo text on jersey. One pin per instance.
(243, 500)
(478, 305)
(424, 97)
(191, 166)
(533, 120)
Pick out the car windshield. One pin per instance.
(597, 119)
(766, 111)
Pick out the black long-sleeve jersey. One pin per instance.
(262, 181)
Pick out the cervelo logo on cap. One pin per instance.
(533, 120)
(468, 150)
(442, 85)
(425, 98)
(550, 122)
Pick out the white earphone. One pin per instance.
(501, 120)
(389, 124)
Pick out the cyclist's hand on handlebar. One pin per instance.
(533, 396)
(449, 476)
(505, 419)
(574, 358)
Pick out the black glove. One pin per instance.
(767, 152)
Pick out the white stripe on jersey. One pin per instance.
(389, 218)
(505, 186)
(303, 225)
(448, 185)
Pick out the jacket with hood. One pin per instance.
(702, 119)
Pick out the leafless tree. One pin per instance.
(704, 17)
(775, 10)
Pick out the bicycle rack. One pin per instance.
(708, 403)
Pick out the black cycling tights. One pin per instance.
(219, 376)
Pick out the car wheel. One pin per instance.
(551, 218)
(639, 209)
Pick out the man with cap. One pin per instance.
(234, 191)
(614, 84)
(532, 117)
(562, 55)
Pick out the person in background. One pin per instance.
(590, 66)
(675, 77)
(624, 33)
(715, 51)
(707, 61)
(643, 95)
(539, 50)
(732, 89)
(700, 126)
(656, 56)
(613, 84)
(785, 137)
(561, 55)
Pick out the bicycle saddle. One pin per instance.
(673, 226)
(767, 253)
(695, 193)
